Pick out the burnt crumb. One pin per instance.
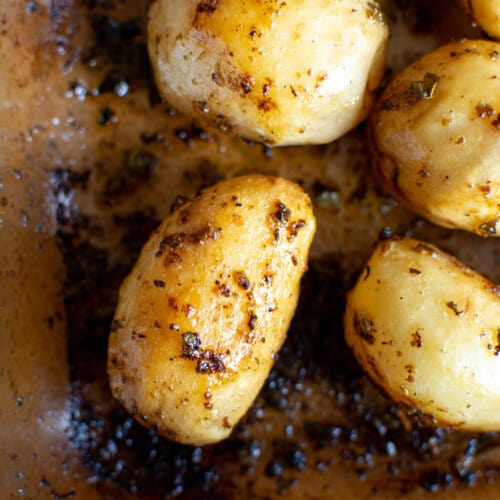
(325, 195)
(159, 283)
(191, 135)
(454, 307)
(412, 270)
(191, 345)
(385, 233)
(107, 115)
(286, 454)
(364, 327)
(135, 227)
(141, 163)
(205, 174)
(222, 123)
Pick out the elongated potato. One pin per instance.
(435, 136)
(486, 13)
(427, 329)
(207, 306)
(277, 72)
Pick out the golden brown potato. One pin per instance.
(486, 13)
(207, 306)
(278, 72)
(427, 330)
(435, 136)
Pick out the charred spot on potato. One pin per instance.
(175, 241)
(191, 345)
(222, 289)
(454, 307)
(417, 91)
(294, 227)
(281, 213)
(252, 320)
(484, 110)
(496, 352)
(242, 280)
(373, 13)
(207, 6)
(116, 326)
(489, 228)
(210, 363)
(364, 327)
(416, 339)
(410, 370)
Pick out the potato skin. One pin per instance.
(282, 73)
(427, 330)
(207, 306)
(435, 136)
(486, 13)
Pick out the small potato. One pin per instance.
(486, 13)
(207, 306)
(282, 73)
(427, 330)
(435, 136)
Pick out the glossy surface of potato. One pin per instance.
(435, 136)
(207, 306)
(427, 330)
(277, 72)
(486, 13)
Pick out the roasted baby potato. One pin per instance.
(282, 73)
(207, 306)
(427, 330)
(486, 13)
(435, 136)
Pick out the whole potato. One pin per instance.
(207, 306)
(486, 13)
(427, 329)
(435, 136)
(282, 73)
